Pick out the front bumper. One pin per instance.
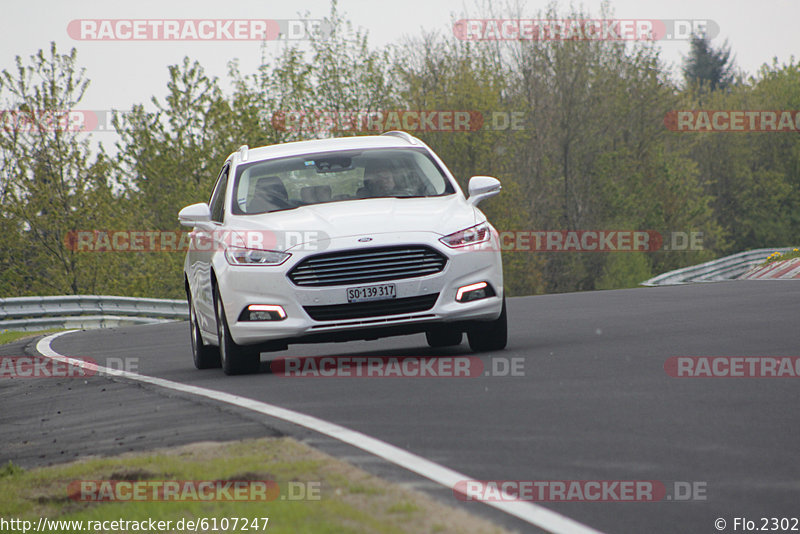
(241, 286)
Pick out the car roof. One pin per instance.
(298, 148)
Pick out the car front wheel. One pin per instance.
(443, 337)
(235, 359)
(205, 356)
(491, 335)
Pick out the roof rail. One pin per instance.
(243, 152)
(403, 135)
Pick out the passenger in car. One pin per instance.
(379, 181)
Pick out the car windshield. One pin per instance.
(292, 182)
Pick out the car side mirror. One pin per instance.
(195, 215)
(482, 187)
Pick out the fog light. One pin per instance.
(478, 291)
(263, 312)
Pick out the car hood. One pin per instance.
(319, 222)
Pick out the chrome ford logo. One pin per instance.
(365, 239)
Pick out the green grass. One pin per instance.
(349, 500)
(9, 337)
(403, 507)
(10, 469)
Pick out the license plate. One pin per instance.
(365, 293)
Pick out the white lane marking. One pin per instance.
(529, 512)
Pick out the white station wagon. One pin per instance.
(340, 239)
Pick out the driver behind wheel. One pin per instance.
(379, 181)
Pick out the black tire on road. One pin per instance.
(235, 359)
(205, 356)
(492, 335)
(443, 337)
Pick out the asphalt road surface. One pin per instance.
(592, 402)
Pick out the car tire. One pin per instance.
(491, 335)
(205, 356)
(443, 337)
(235, 359)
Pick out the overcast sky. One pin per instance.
(126, 72)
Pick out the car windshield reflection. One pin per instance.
(290, 183)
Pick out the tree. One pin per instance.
(753, 178)
(169, 158)
(434, 74)
(337, 74)
(593, 151)
(708, 66)
(52, 185)
(594, 147)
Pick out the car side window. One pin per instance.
(217, 203)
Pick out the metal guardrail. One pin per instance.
(727, 268)
(102, 311)
(86, 311)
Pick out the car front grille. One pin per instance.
(358, 310)
(367, 266)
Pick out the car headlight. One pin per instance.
(250, 256)
(469, 236)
